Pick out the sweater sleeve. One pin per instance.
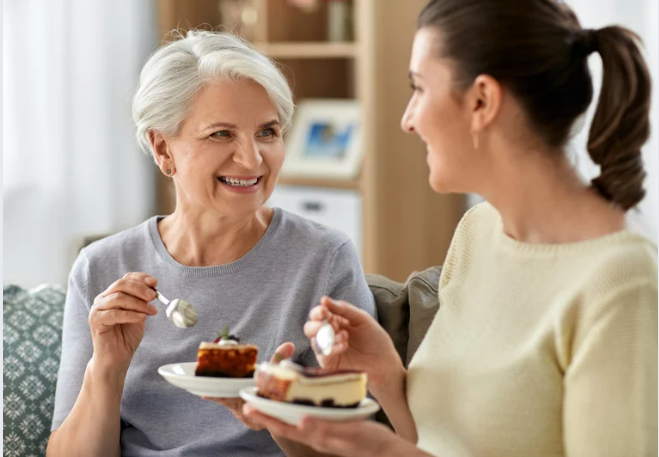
(610, 401)
(76, 342)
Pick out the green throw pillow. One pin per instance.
(32, 337)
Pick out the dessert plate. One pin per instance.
(182, 375)
(292, 414)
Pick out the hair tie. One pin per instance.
(584, 41)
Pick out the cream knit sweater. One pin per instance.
(539, 350)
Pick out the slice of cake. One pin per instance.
(226, 358)
(292, 383)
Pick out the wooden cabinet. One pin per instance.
(405, 225)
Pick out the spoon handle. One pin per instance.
(161, 297)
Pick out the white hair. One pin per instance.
(178, 70)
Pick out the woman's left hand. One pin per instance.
(362, 437)
(235, 405)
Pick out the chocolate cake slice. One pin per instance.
(226, 358)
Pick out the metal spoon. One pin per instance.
(325, 339)
(180, 312)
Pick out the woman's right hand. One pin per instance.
(360, 342)
(117, 319)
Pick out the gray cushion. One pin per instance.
(32, 329)
(406, 310)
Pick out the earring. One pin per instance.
(169, 171)
(475, 140)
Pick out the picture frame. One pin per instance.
(325, 140)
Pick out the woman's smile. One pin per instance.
(241, 184)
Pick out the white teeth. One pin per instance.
(239, 182)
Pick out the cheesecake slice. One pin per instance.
(226, 359)
(291, 383)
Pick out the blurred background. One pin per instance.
(72, 170)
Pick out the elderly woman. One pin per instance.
(211, 111)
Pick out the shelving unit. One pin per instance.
(404, 225)
(308, 50)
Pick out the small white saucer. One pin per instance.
(293, 414)
(182, 375)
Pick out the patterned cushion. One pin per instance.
(32, 337)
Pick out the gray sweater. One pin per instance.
(264, 298)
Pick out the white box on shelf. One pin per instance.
(336, 208)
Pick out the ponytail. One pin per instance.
(621, 124)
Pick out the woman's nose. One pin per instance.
(406, 120)
(248, 156)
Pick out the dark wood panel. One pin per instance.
(319, 78)
(289, 23)
(184, 15)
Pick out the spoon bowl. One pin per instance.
(325, 338)
(180, 312)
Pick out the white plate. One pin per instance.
(182, 375)
(293, 414)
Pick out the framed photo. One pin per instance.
(325, 140)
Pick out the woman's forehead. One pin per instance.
(232, 102)
(425, 51)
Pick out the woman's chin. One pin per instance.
(439, 185)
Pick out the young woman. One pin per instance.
(545, 343)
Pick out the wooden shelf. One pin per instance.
(353, 184)
(309, 50)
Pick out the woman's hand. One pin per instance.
(363, 438)
(235, 405)
(117, 320)
(360, 342)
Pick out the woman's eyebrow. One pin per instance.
(226, 125)
(269, 124)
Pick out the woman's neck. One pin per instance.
(199, 238)
(542, 200)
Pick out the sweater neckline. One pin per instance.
(507, 242)
(214, 270)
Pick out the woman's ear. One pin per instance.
(161, 153)
(485, 102)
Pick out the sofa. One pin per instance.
(32, 327)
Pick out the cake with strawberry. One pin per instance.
(226, 357)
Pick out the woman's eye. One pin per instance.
(269, 132)
(222, 134)
(415, 88)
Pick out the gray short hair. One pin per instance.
(178, 70)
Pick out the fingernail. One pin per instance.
(151, 281)
(153, 308)
(277, 357)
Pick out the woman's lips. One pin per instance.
(238, 188)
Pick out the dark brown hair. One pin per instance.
(538, 50)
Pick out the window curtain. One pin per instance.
(71, 167)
